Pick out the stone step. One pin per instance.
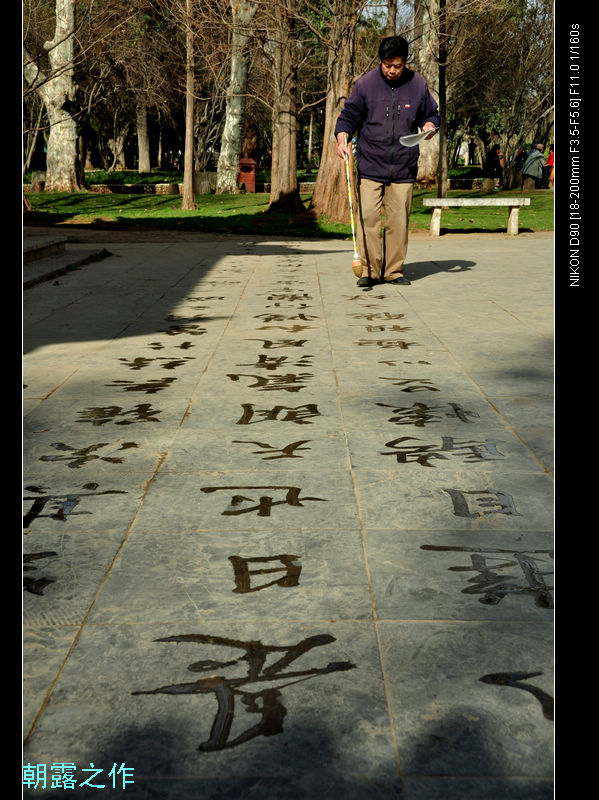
(36, 246)
(45, 256)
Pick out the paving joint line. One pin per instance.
(375, 617)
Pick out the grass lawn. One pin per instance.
(248, 213)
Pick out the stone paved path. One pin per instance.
(285, 537)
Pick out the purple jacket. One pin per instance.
(381, 111)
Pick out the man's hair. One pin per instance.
(393, 47)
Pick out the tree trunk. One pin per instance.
(64, 172)
(143, 141)
(208, 126)
(442, 180)
(188, 201)
(391, 18)
(117, 145)
(228, 161)
(426, 64)
(284, 193)
(330, 190)
(32, 136)
(88, 161)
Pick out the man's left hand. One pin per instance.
(429, 126)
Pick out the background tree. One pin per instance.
(188, 201)
(423, 37)
(55, 84)
(494, 72)
(107, 82)
(391, 28)
(444, 48)
(120, 66)
(521, 97)
(339, 38)
(212, 67)
(140, 59)
(228, 162)
(33, 113)
(284, 193)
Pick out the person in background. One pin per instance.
(550, 166)
(494, 166)
(533, 166)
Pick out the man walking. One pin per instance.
(387, 102)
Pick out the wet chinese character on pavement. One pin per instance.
(378, 315)
(274, 317)
(516, 679)
(100, 415)
(31, 584)
(265, 703)
(273, 344)
(151, 386)
(188, 329)
(471, 452)
(300, 415)
(418, 414)
(385, 344)
(264, 503)
(141, 363)
(63, 505)
(489, 502)
(77, 457)
(268, 451)
(274, 362)
(243, 573)
(412, 384)
(161, 346)
(273, 383)
(494, 584)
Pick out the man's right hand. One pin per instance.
(343, 147)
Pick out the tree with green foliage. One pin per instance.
(500, 72)
(50, 72)
(96, 74)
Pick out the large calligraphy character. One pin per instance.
(266, 702)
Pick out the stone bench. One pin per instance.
(439, 203)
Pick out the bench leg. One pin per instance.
(512, 220)
(436, 222)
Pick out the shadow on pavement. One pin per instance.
(460, 756)
(424, 269)
(149, 307)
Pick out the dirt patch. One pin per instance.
(99, 231)
(106, 232)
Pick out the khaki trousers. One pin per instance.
(383, 251)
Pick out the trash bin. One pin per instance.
(247, 174)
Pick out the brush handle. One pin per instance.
(351, 209)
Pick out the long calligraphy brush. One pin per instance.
(356, 263)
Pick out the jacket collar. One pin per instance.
(405, 76)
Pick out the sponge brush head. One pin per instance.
(356, 265)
